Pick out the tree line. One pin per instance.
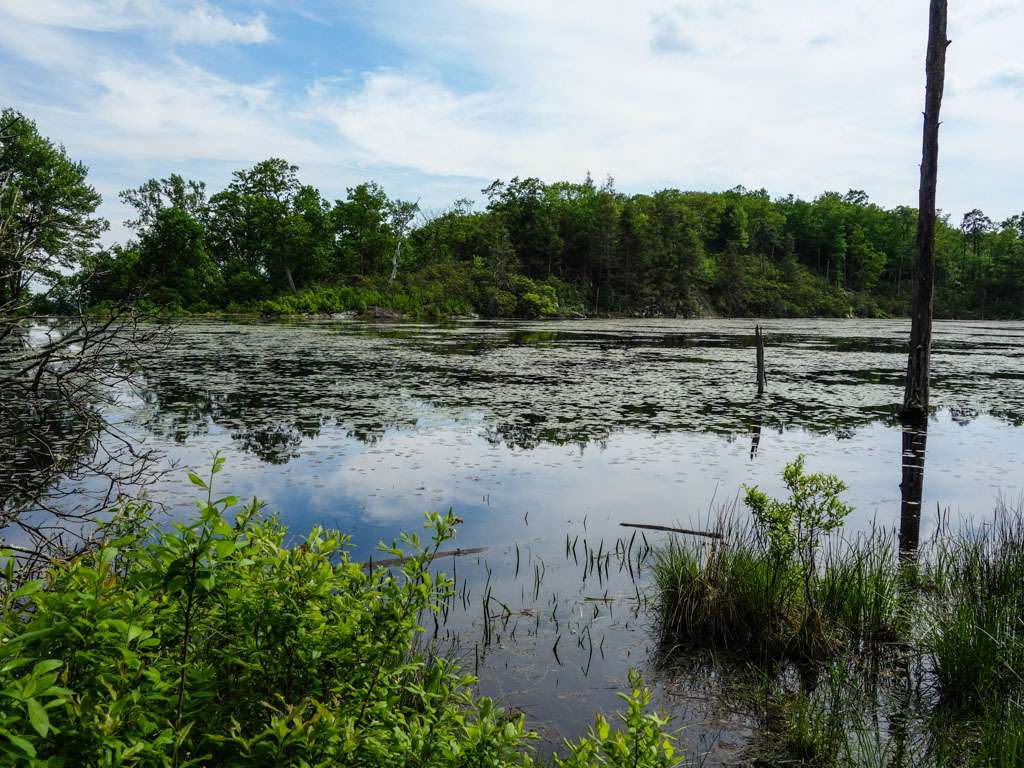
(528, 248)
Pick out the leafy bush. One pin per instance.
(213, 644)
(641, 742)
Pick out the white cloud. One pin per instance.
(185, 111)
(794, 95)
(203, 24)
(198, 23)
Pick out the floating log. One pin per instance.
(670, 529)
(388, 562)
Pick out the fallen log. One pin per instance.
(670, 529)
(388, 562)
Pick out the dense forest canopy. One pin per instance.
(269, 243)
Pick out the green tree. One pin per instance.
(173, 262)
(258, 229)
(364, 242)
(47, 210)
(155, 195)
(525, 209)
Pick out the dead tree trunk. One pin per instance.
(394, 261)
(915, 396)
(761, 378)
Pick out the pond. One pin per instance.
(545, 436)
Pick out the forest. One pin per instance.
(270, 244)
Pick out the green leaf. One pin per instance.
(23, 744)
(28, 588)
(225, 547)
(47, 665)
(197, 480)
(38, 717)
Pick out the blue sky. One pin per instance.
(436, 99)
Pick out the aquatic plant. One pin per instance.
(974, 612)
(897, 661)
(642, 741)
(771, 588)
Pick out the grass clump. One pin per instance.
(953, 694)
(974, 611)
(772, 588)
(214, 644)
(885, 660)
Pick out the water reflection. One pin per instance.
(544, 437)
(915, 439)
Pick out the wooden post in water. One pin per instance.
(915, 395)
(761, 378)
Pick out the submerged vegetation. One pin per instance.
(214, 644)
(863, 657)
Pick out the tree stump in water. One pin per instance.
(762, 380)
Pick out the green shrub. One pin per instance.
(641, 742)
(214, 644)
(543, 303)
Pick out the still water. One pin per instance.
(544, 437)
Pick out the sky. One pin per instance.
(434, 99)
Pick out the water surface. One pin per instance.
(544, 437)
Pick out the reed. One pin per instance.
(974, 611)
(737, 596)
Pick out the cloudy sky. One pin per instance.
(434, 99)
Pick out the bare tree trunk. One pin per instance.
(291, 280)
(915, 397)
(394, 261)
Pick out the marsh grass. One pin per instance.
(868, 658)
(735, 596)
(973, 610)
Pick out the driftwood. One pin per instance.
(388, 562)
(687, 531)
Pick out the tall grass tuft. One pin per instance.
(777, 586)
(974, 617)
(898, 661)
(858, 588)
(734, 597)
